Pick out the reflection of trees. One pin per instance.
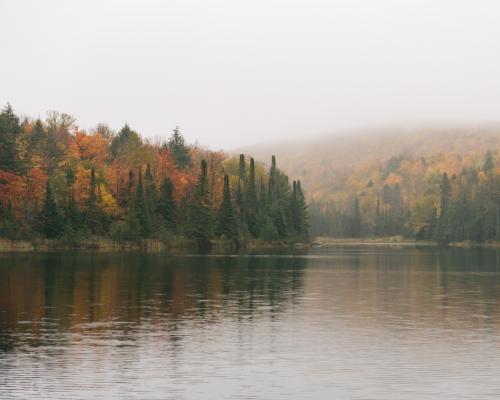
(438, 287)
(52, 298)
(82, 292)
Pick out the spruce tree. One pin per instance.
(239, 199)
(141, 208)
(377, 229)
(50, 220)
(93, 215)
(9, 226)
(167, 206)
(302, 209)
(10, 130)
(293, 210)
(73, 216)
(242, 168)
(443, 231)
(226, 222)
(356, 219)
(180, 152)
(445, 193)
(125, 144)
(488, 164)
(151, 196)
(251, 204)
(200, 217)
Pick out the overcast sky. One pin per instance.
(240, 72)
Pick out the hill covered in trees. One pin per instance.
(58, 181)
(440, 183)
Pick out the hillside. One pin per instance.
(399, 181)
(331, 166)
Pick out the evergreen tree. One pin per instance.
(239, 199)
(377, 229)
(444, 232)
(125, 144)
(200, 218)
(9, 226)
(50, 220)
(302, 210)
(10, 130)
(251, 204)
(73, 215)
(226, 222)
(445, 193)
(356, 219)
(242, 168)
(167, 206)
(151, 197)
(93, 216)
(294, 210)
(180, 152)
(488, 162)
(141, 208)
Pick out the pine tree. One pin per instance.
(73, 216)
(239, 199)
(302, 209)
(125, 144)
(38, 139)
(242, 168)
(488, 162)
(167, 206)
(9, 226)
(356, 219)
(200, 216)
(10, 130)
(226, 222)
(180, 152)
(151, 197)
(50, 220)
(445, 193)
(251, 204)
(93, 215)
(141, 208)
(443, 232)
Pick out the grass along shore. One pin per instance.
(147, 245)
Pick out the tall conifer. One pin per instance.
(226, 223)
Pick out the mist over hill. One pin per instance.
(336, 166)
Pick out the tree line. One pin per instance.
(58, 181)
(463, 206)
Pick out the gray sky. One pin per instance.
(235, 72)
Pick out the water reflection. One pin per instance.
(96, 292)
(342, 322)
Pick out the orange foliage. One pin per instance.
(12, 189)
(182, 180)
(89, 147)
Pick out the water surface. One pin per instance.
(351, 322)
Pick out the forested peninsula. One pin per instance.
(72, 188)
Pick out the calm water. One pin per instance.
(333, 323)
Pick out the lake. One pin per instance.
(342, 322)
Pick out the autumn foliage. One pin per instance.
(58, 180)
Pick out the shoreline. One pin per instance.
(99, 244)
(400, 241)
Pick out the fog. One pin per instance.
(232, 73)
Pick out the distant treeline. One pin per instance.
(465, 206)
(58, 181)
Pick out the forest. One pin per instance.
(439, 183)
(60, 182)
(426, 206)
